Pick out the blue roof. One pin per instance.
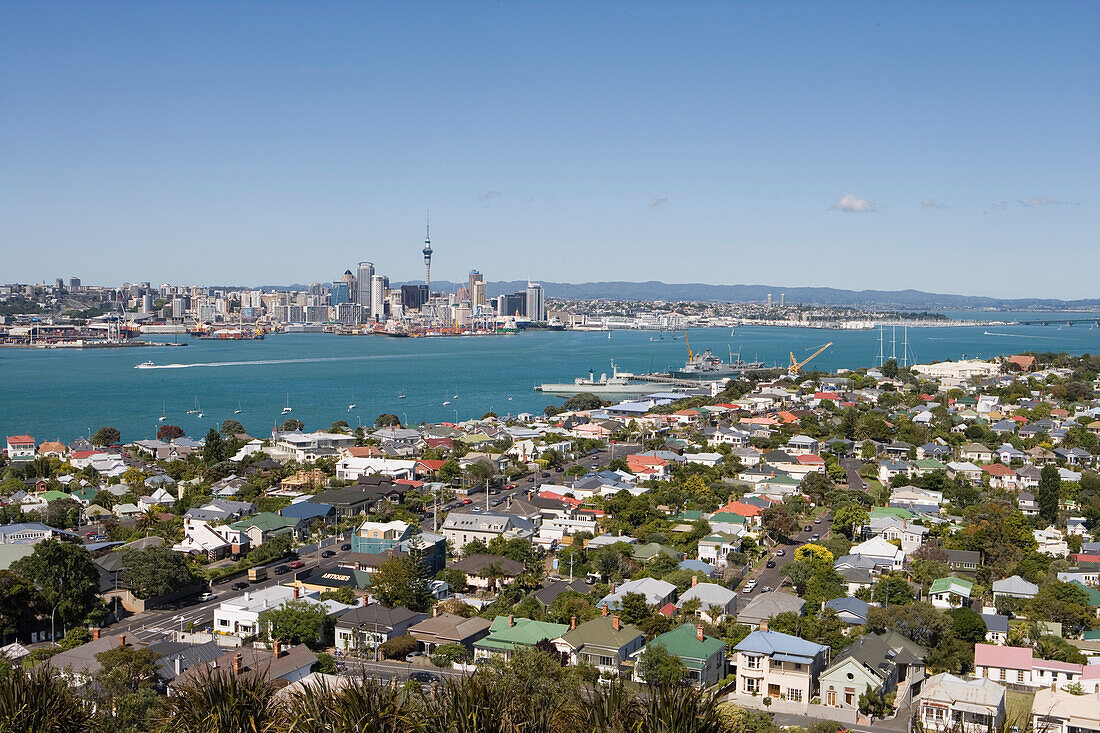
(307, 510)
(775, 642)
(851, 605)
(698, 566)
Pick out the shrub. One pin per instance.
(399, 647)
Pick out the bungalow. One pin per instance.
(892, 468)
(704, 656)
(447, 628)
(1000, 475)
(767, 606)
(716, 548)
(964, 469)
(1058, 711)
(959, 704)
(882, 551)
(508, 634)
(996, 628)
(975, 453)
(950, 592)
(489, 572)
(963, 559)
(1013, 587)
(368, 627)
(714, 601)
(851, 611)
(263, 526)
(656, 592)
(604, 642)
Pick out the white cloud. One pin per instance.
(932, 204)
(1039, 201)
(854, 205)
(657, 201)
(487, 198)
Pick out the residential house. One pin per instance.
(975, 453)
(20, 448)
(950, 592)
(963, 559)
(1014, 587)
(262, 527)
(960, 704)
(714, 601)
(447, 628)
(368, 627)
(851, 611)
(996, 628)
(1058, 711)
(779, 666)
(489, 572)
(604, 642)
(716, 548)
(887, 663)
(282, 663)
(879, 549)
(768, 605)
(704, 656)
(463, 527)
(656, 592)
(508, 634)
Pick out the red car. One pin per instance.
(296, 564)
(467, 501)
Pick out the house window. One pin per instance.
(794, 695)
(1004, 674)
(752, 686)
(830, 698)
(1020, 676)
(752, 662)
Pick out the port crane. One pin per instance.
(796, 365)
(688, 344)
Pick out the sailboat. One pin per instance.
(609, 335)
(162, 411)
(192, 412)
(287, 408)
(400, 396)
(238, 411)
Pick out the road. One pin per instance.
(774, 577)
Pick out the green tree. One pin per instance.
(291, 424)
(403, 581)
(582, 402)
(848, 516)
(40, 700)
(214, 449)
(155, 571)
(967, 625)
(344, 595)
(232, 427)
(21, 599)
(873, 703)
(1048, 494)
(386, 420)
(296, 621)
(66, 577)
(106, 436)
(449, 472)
(892, 589)
(659, 667)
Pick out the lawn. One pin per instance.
(1018, 708)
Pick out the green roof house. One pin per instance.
(950, 592)
(507, 633)
(265, 525)
(704, 656)
(604, 642)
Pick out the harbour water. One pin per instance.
(60, 394)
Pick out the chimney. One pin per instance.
(572, 622)
(694, 580)
(95, 634)
(177, 664)
(763, 625)
(699, 632)
(238, 663)
(277, 648)
(615, 622)
(363, 601)
(510, 622)
(122, 639)
(603, 611)
(612, 588)
(297, 590)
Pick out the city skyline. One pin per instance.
(241, 143)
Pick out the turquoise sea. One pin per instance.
(59, 394)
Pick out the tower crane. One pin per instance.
(796, 365)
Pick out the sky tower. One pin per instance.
(428, 255)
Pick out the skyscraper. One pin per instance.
(340, 293)
(364, 273)
(428, 256)
(536, 302)
(475, 278)
(378, 286)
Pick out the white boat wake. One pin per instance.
(1019, 335)
(257, 362)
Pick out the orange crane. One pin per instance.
(688, 344)
(796, 365)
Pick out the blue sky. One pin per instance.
(941, 146)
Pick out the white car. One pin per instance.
(208, 596)
(749, 587)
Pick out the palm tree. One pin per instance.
(494, 571)
(148, 519)
(38, 700)
(221, 702)
(361, 705)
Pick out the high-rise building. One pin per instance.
(364, 273)
(339, 293)
(410, 297)
(478, 301)
(536, 302)
(74, 283)
(475, 278)
(379, 284)
(512, 305)
(147, 303)
(428, 255)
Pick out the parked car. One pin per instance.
(816, 537)
(749, 587)
(328, 553)
(467, 501)
(345, 547)
(297, 564)
(412, 657)
(240, 585)
(424, 677)
(808, 528)
(817, 521)
(559, 469)
(780, 552)
(281, 570)
(766, 589)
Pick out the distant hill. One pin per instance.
(914, 300)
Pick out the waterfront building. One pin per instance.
(536, 302)
(365, 271)
(339, 293)
(379, 285)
